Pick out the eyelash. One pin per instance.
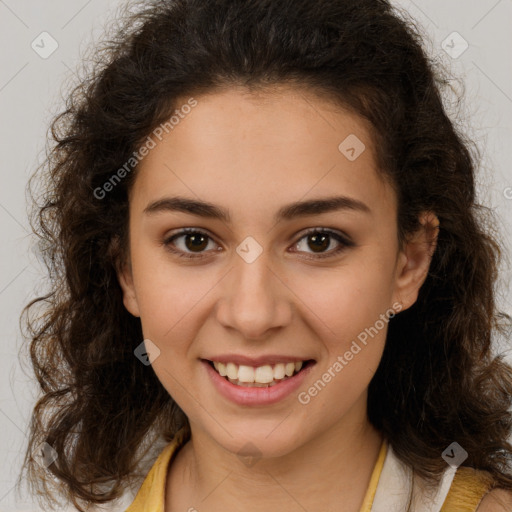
(345, 243)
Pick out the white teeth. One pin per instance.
(279, 371)
(245, 373)
(265, 375)
(232, 371)
(221, 368)
(289, 369)
(262, 374)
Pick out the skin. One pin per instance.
(236, 149)
(497, 500)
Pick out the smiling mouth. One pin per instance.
(262, 376)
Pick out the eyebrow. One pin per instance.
(288, 212)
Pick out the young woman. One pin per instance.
(265, 252)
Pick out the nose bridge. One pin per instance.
(253, 300)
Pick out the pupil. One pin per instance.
(196, 241)
(322, 238)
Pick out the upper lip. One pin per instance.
(271, 359)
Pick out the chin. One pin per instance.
(259, 442)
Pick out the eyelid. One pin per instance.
(321, 229)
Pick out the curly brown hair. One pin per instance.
(438, 380)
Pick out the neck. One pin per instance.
(332, 468)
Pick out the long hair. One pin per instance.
(438, 380)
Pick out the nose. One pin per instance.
(255, 300)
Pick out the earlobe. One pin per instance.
(414, 260)
(125, 278)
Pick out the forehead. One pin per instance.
(252, 149)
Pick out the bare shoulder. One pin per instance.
(498, 500)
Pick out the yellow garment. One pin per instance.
(468, 488)
(466, 492)
(374, 479)
(151, 495)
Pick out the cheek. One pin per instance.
(353, 313)
(347, 300)
(167, 293)
(170, 300)
(169, 304)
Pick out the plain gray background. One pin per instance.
(30, 94)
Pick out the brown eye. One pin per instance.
(194, 243)
(319, 240)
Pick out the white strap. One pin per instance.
(397, 488)
(394, 488)
(433, 501)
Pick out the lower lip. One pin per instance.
(243, 395)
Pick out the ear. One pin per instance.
(414, 259)
(123, 268)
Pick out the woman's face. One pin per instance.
(258, 290)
